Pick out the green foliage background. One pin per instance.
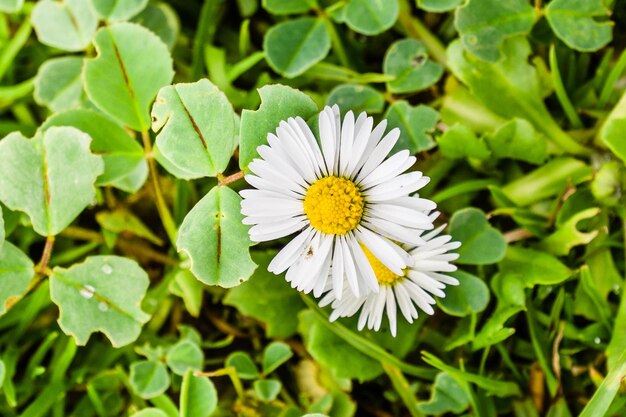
(128, 284)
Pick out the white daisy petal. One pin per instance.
(379, 154)
(291, 252)
(390, 306)
(347, 137)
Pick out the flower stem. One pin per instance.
(403, 389)
(164, 211)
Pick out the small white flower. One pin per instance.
(337, 198)
(407, 290)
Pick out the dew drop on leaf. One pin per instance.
(87, 291)
(103, 306)
(107, 269)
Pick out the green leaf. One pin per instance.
(293, 46)
(123, 157)
(216, 241)
(123, 221)
(567, 235)
(67, 25)
(278, 102)
(101, 294)
(243, 364)
(58, 84)
(480, 243)
(536, 267)
(162, 20)
(517, 139)
(546, 181)
(510, 87)
(416, 125)
(371, 17)
(267, 389)
(612, 134)
(50, 177)
(150, 412)
(186, 286)
(11, 6)
(16, 271)
(438, 6)
(408, 61)
(333, 352)
(196, 128)
(184, 355)
(573, 22)
(460, 141)
(119, 81)
(2, 231)
(198, 397)
(149, 379)
(484, 24)
(274, 355)
(281, 7)
(357, 98)
(113, 10)
(268, 298)
(447, 396)
(2, 372)
(470, 296)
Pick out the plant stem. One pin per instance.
(164, 211)
(222, 180)
(403, 389)
(335, 39)
(42, 266)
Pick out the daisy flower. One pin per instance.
(336, 197)
(408, 290)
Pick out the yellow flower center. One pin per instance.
(383, 274)
(333, 205)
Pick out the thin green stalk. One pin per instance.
(365, 346)
(10, 51)
(402, 387)
(416, 29)
(537, 347)
(164, 211)
(11, 93)
(611, 80)
(210, 15)
(336, 41)
(606, 392)
(244, 65)
(561, 94)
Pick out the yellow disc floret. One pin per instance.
(383, 274)
(333, 205)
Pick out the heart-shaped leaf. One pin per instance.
(279, 7)
(67, 25)
(184, 355)
(243, 364)
(480, 243)
(216, 241)
(278, 102)
(415, 124)
(196, 128)
(50, 178)
(484, 24)
(16, 271)
(274, 355)
(58, 84)
(470, 296)
(408, 61)
(149, 379)
(121, 153)
(573, 22)
(131, 66)
(293, 46)
(101, 294)
(267, 389)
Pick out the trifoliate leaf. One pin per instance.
(371, 17)
(274, 355)
(149, 379)
(243, 364)
(58, 84)
(198, 396)
(267, 389)
(50, 178)
(438, 6)
(101, 294)
(113, 10)
(470, 296)
(480, 242)
(415, 123)
(280, 7)
(184, 355)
